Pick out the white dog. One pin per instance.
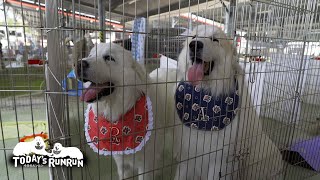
(36, 146)
(58, 151)
(125, 114)
(221, 136)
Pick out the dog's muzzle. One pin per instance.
(196, 50)
(195, 46)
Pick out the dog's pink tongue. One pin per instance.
(195, 73)
(89, 94)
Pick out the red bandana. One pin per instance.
(125, 136)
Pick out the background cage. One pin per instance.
(277, 43)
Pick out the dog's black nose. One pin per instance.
(82, 66)
(195, 46)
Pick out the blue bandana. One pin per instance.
(198, 109)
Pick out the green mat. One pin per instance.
(25, 128)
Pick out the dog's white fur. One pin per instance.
(213, 155)
(130, 81)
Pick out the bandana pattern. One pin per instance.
(125, 136)
(200, 110)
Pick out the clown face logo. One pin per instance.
(34, 154)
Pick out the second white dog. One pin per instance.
(58, 151)
(220, 136)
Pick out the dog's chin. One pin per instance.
(96, 92)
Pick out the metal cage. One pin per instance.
(277, 43)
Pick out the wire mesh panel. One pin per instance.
(22, 104)
(56, 73)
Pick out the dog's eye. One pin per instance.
(108, 58)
